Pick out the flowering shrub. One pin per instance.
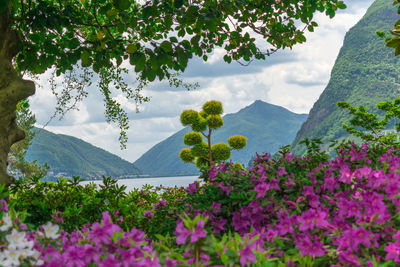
(284, 211)
(73, 205)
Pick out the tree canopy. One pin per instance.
(393, 41)
(157, 37)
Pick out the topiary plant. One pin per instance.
(204, 154)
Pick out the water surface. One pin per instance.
(154, 181)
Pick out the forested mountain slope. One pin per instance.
(266, 126)
(69, 156)
(365, 73)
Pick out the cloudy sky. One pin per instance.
(293, 79)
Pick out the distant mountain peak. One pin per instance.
(267, 127)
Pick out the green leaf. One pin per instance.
(166, 46)
(173, 39)
(86, 59)
(122, 4)
(139, 60)
(397, 51)
(131, 48)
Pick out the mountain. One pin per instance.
(267, 127)
(69, 156)
(366, 72)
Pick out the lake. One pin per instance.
(154, 181)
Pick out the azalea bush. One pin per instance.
(73, 205)
(284, 211)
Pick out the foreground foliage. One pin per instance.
(284, 211)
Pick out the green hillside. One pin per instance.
(266, 126)
(365, 73)
(69, 156)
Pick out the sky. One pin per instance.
(293, 79)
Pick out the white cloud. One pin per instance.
(290, 78)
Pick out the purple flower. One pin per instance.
(306, 220)
(192, 188)
(219, 225)
(246, 255)
(309, 247)
(273, 184)
(261, 189)
(100, 234)
(74, 256)
(172, 263)
(3, 205)
(212, 172)
(148, 213)
(57, 217)
(109, 261)
(224, 188)
(216, 207)
(345, 174)
(281, 171)
(181, 233)
(198, 233)
(330, 184)
(392, 251)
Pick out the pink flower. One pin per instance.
(100, 234)
(281, 171)
(224, 188)
(148, 213)
(246, 255)
(392, 251)
(3, 205)
(216, 207)
(192, 188)
(309, 247)
(181, 233)
(198, 233)
(345, 174)
(75, 256)
(261, 189)
(212, 172)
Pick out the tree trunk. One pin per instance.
(12, 89)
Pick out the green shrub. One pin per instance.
(213, 107)
(220, 151)
(205, 154)
(188, 117)
(186, 155)
(237, 141)
(192, 138)
(215, 121)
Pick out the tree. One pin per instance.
(156, 37)
(17, 163)
(393, 41)
(203, 154)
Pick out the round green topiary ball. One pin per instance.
(239, 167)
(189, 116)
(203, 114)
(237, 141)
(213, 107)
(200, 124)
(186, 155)
(220, 151)
(200, 150)
(201, 162)
(192, 138)
(215, 121)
